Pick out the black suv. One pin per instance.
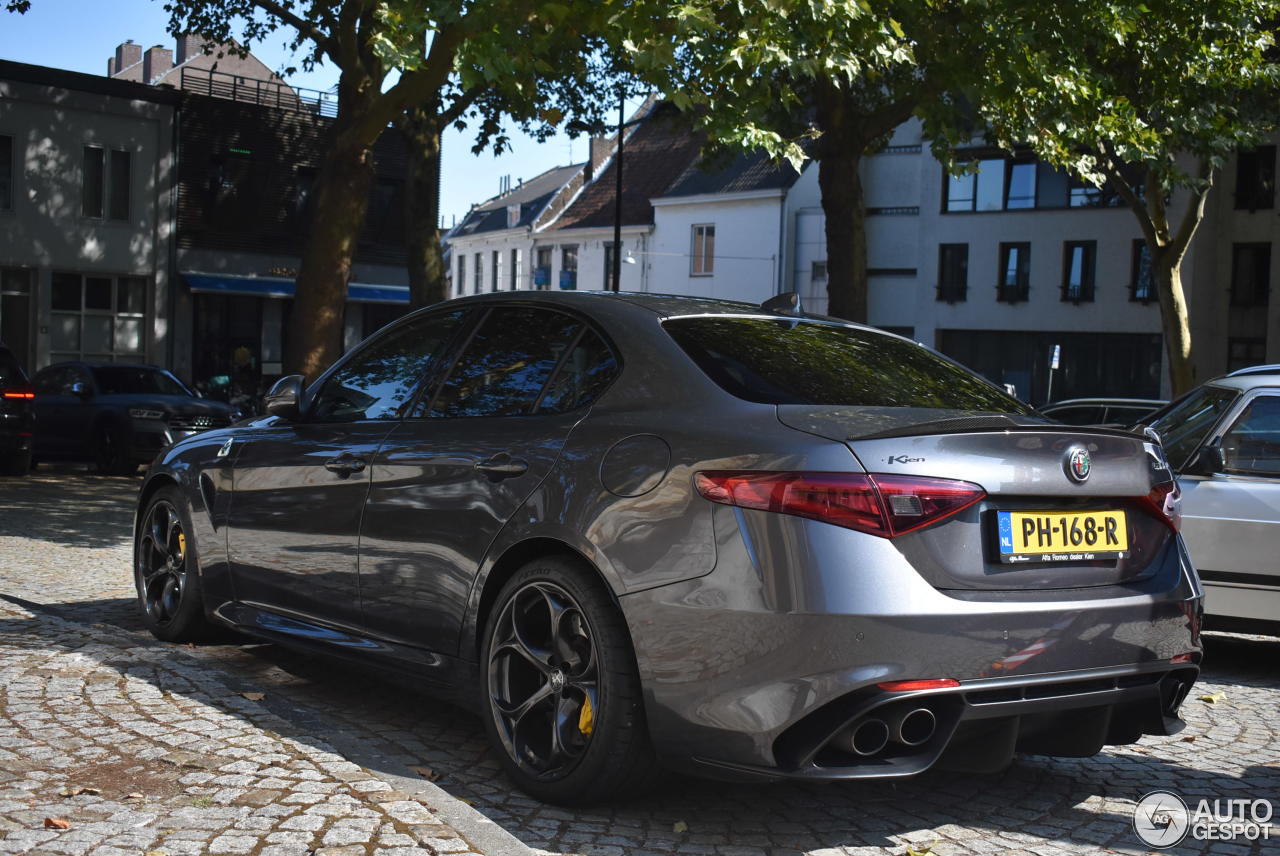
(17, 416)
(117, 415)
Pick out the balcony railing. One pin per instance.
(266, 93)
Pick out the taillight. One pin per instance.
(916, 686)
(1165, 502)
(885, 505)
(19, 392)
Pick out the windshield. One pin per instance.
(799, 362)
(1184, 424)
(132, 380)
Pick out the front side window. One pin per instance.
(1078, 270)
(704, 250)
(1250, 274)
(57, 380)
(1183, 424)
(6, 173)
(953, 272)
(1252, 446)
(506, 364)
(787, 362)
(1141, 285)
(379, 380)
(1015, 273)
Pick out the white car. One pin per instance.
(1223, 440)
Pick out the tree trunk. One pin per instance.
(840, 182)
(1166, 273)
(337, 216)
(421, 127)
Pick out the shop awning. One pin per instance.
(269, 286)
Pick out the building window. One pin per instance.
(1020, 184)
(15, 310)
(704, 250)
(1256, 178)
(1250, 274)
(818, 271)
(6, 173)
(479, 272)
(1015, 273)
(495, 275)
(1245, 352)
(542, 268)
(1142, 287)
(569, 267)
(105, 188)
(1077, 270)
(516, 263)
(953, 272)
(462, 274)
(608, 267)
(98, 318)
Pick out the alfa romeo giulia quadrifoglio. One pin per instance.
(635, 532)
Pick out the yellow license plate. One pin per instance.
(1058, 536)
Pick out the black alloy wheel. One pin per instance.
(561, 689)
(165, 572)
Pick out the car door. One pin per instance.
(447, 480)
(299, 486)
(1231, 519)
(62, 422)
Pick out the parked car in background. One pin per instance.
(17, 416)
(116, 415)
(752, 543)
(1223, 440)
(1102, 411)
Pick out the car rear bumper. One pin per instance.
(755, 668)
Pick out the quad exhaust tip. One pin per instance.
(909, 727)
(868, 737)
(912, 727)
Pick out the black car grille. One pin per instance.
(198, 423)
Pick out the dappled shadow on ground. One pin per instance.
(68, 504)
(376, 723)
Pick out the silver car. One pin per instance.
(1223, 439)
(632, 530)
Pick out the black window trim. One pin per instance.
(1018, 293)
(1088, 291)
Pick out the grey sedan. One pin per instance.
(634, 531)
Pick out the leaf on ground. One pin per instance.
(1191, 739)
(927, 851)
(1213, 699)
(56, 823)
(191, 644)
(75, 792)
(254, 696)
(133, 796)
(427, 773)
(679, 826)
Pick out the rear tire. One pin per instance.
(166, 571)
(561, 695)
(16, 464)
(111, 451)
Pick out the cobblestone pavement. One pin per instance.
(257, 750)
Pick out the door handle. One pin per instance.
(502, 466)
(345, 464)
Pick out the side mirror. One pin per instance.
(1209, 460)
(285, 398)
(79, 389)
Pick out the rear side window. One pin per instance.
(506, 363)
(798, 362)
(583, 375)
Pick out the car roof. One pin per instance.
(1105, 402)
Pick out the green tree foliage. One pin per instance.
(1161, 91)
(437, 62)
(810, 78)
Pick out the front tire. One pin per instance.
(165, 571)
(562, 697)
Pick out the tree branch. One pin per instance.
(1115, 177)
(459, 106)
(323, 40)
(1194, 214)
(347, 55)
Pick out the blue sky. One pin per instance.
(80, 35)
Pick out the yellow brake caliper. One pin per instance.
(586, 717)
(182, 546)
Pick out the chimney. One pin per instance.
(126, 55)
(598, 151)
(111, 66)
(155, 62)
(189, 47)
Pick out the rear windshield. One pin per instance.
(131, 380)
(10, 372)
(796, 362)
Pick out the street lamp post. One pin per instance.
(616, 283)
